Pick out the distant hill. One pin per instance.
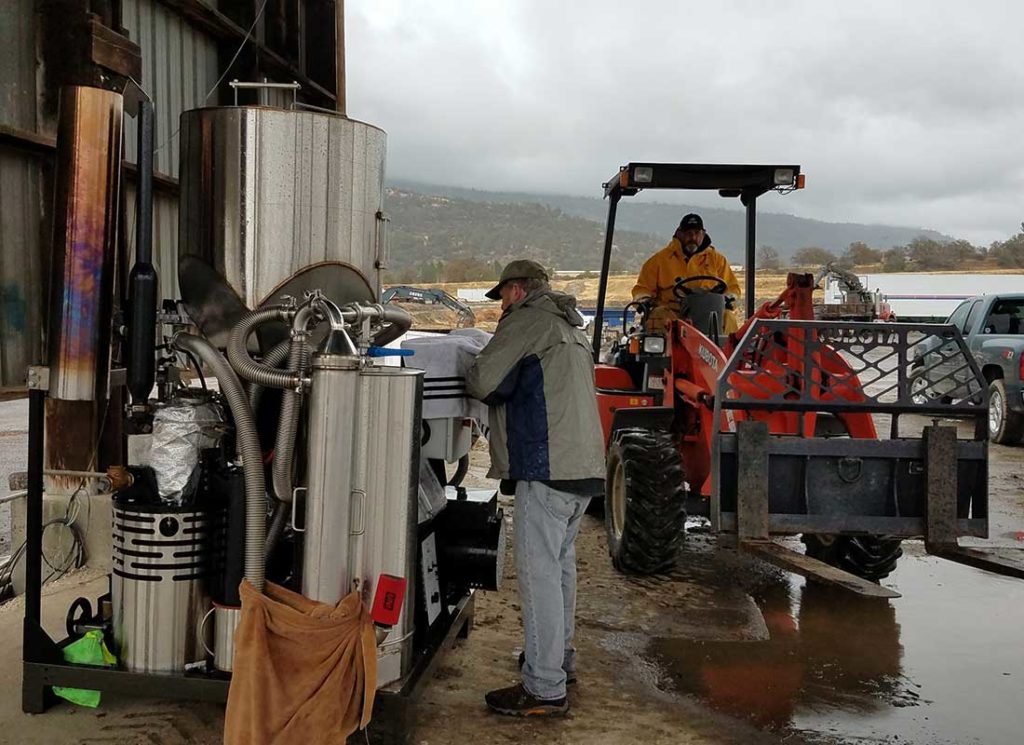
(431, 222)
(430, 228)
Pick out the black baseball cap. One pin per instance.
(691, 221)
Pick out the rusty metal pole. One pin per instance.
(339, 44)
(88, 166)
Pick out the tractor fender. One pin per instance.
(648, 417)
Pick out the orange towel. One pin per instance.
(304, 672)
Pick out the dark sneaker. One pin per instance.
(516, 701)
(570, 678)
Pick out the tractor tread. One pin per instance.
(870, 557)
(655, 522)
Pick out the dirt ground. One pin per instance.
(637, 639)
(584, 289)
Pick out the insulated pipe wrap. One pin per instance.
(248, 449)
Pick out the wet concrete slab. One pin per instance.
(944, 664)
(716, 608)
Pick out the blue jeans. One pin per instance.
(546, 522)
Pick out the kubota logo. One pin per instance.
(708, 356)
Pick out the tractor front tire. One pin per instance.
(870, 557)
(645, 501)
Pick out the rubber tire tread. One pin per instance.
(1012, 430)
(655, 521)
(870, 557)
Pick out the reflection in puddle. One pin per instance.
(943, 664)
(827, 648)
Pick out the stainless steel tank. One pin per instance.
(332, 431)
(362, 498)
(159, 563)
(387, 472)
(268, 192)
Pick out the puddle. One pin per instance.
(943, 664)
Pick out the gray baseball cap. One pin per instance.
(518, 269)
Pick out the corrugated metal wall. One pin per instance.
(165, 238)
(179, 66)
(22, 287)
(21, 184)
(18, 64)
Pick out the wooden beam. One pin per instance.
(115, 52)
(31, 142)
(44, 146)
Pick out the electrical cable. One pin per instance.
(199, 369)
(73, 558)
(248, 35)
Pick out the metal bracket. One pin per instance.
(383, 240)
(295, 501)
(38, 378)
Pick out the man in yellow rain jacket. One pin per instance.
(688, 254)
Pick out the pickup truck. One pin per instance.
(993, 329)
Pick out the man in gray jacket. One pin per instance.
(537, 377)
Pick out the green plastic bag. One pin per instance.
(89, 650)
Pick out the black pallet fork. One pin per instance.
(902, 486)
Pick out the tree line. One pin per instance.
(921, 254)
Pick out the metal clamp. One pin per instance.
(38, 378)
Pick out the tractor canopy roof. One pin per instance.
(744, 181)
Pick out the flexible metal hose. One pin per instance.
(248, 445)
(273, 358)
(278, 521)
(246, 366)
(291, 404)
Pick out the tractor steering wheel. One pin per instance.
(680, 290)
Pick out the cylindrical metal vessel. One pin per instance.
(88, 168)
(268, 192)
(386, 481)
(331, 439)
(362, 499)
(160, 561)
(225, 622)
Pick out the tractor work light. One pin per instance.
(643, 174)
(654, 345)
(785, 177)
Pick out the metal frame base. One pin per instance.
(394, 712)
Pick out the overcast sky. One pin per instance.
(905, 113)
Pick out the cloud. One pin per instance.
(906, 113)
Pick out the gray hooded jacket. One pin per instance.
(537, 377)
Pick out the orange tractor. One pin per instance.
(773, 430)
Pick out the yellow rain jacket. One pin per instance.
(658, 275)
